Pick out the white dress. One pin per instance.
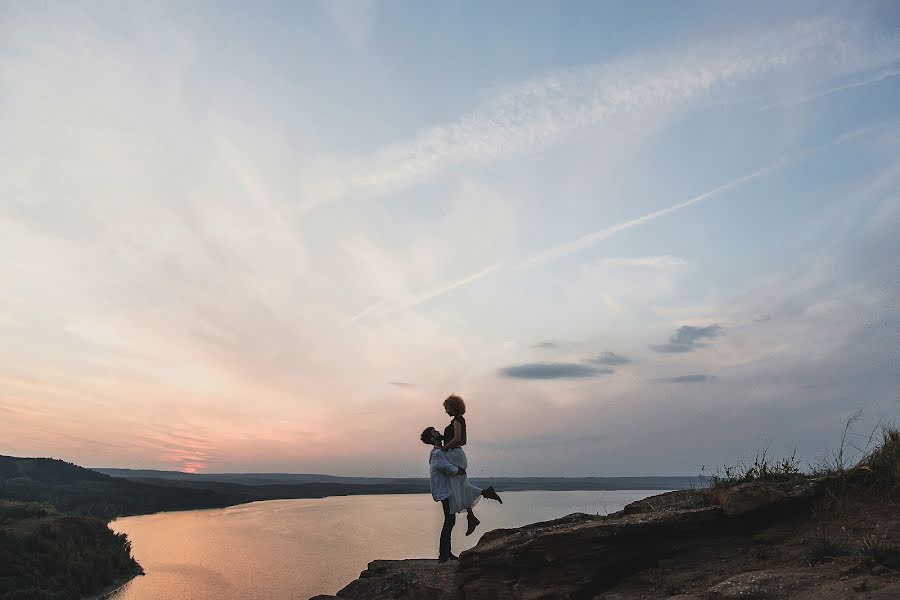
(463, 494)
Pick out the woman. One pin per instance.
(463, 495)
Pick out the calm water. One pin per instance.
(294, 549)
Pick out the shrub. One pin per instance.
(878, 550)
(823, 547)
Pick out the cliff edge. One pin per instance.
(832, 536)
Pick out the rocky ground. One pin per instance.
(810, 538)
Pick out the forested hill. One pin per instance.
(245, 478)
(78, 491)
(45, 555)
(505, 483)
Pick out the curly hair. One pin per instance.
(426, 435)
(455, 405)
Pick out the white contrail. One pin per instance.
(573, 246)
(452, 286)
(548, 110)
(567, 248)
(425, 296)
(592, 238)
(886, 74)
(367, 311)
(589, 239)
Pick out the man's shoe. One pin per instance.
(453, 557)
(489, 492)
(443, 559)
(473, 523)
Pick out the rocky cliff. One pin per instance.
(811, 538)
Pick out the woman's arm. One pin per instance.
(457, 436)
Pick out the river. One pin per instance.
(295, 549)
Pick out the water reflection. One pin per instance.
(294, 549)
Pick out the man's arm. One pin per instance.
(440, 462)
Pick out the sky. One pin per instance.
(637, 238)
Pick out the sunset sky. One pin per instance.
(637, 238)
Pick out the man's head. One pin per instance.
(431, 437)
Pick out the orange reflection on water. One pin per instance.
(300, 548)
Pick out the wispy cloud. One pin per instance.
(588, 240)
(580, 244)
(698, 378)
(609, 358)
(354, 18)
(547, 345)
(688, 338)
(544, 111)
(553, 370)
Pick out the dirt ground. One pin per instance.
(784, 561)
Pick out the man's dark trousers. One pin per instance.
(447, 529)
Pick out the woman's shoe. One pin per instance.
(473, 523)
(489, 492)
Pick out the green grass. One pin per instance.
(763, 468)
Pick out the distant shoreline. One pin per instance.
(319, 485)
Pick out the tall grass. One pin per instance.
(874, 464)
(880, 467)
(763, 468)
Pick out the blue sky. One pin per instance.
(638, 239)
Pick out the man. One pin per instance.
(441, 470)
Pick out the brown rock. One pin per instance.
(669, 501)
(747, 497)
(562, 559)
(889, 592)
(587, 556)
(404, 580)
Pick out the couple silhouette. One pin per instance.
(449, 481)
